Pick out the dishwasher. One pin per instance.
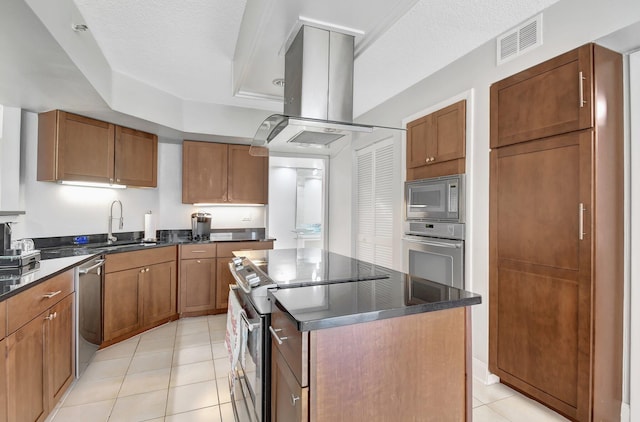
(89, 312)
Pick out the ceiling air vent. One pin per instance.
(519, 40)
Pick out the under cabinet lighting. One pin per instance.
(204, 204)
(91, 184)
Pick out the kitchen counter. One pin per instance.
(45, 270)
(334, 305)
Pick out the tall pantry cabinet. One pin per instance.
(556, 233)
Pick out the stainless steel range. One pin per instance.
(258, 271)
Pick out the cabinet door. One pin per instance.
(204, 172)
(25, 373)
(419, 135)
(197, 285)
(121, 296)
(551, 98)
(158, 291)
(136, 158)
(248, 176)
(85, 149)
(223, 280)
(3, 381)
(449, 133)
(289, 401)
(60, 351)
(540, 269)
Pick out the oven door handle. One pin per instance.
(436, 244)
(250, 325)
(98, 263)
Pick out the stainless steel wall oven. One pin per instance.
(433, 242)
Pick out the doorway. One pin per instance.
(297, 202)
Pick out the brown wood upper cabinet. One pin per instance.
(436, 143)
(551, 98)
(77, 148)
(556, 236)
(223, 173)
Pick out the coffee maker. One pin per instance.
(200, 225)
(5, 238)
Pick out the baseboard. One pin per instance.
(625, 413)
(481, 373)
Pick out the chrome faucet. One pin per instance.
(110, 237)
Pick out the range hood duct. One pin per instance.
(318, 93)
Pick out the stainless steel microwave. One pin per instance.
(436, 199)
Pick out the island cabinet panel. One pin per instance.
(556, 242)
(77, 148)
(436, 143)
(139, 298)
(223, 173)
(548, 99)
(136, 158)
(223, 276)
(414, 367)
(375, 371)
(290, 400)
(3, 319)
(40, 353)
(3, 383)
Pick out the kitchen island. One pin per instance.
(379, 350)
(388, 346)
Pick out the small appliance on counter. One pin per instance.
(200, 225)
(5, 238)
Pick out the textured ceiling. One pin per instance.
(189, 49)
(204, 68)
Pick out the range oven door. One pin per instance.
(435, 259)
(248, 397)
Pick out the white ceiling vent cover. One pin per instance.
(519, 40)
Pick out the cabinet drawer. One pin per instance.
(293, 344)
(225, 249)
(3, 320)
(127, 260)
(289, 400)
(206, 250)
(25, 306)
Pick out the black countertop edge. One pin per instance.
(383, 314)
(48, 269)
(117, 247)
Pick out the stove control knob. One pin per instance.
(237, 261)
(253, 280)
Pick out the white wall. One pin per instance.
(9, 159)
(567, 25)
(57, 210)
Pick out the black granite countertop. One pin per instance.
(333, 305)
(45, 269)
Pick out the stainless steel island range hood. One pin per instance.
(318, 93)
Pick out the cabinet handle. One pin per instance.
(433, 159)
(294, 399)
(52, 294)
(198, 261)
(581, 211)
(51, 316)
(581, 88)
(274, 334)
(142, 270)
(198, 251)
(147, 270)
(118, 180)
(426, 160)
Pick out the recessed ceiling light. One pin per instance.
(79, 27)
(279, 82)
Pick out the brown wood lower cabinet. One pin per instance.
(40, 360)
(415, 367)
(3, 383)
(197, 285)
(290, 400)
(139, 298)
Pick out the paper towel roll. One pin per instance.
(149, 227)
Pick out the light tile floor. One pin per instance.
(178, 373)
